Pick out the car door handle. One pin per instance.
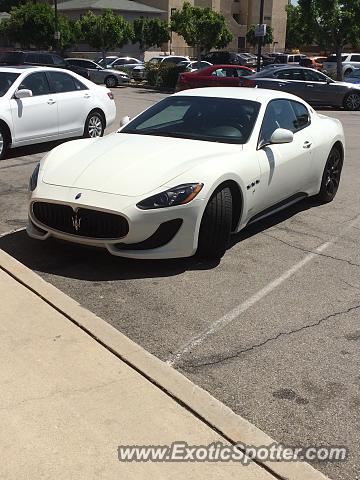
(307, 144)
(87, 95)
(51, 101)
(311, 86)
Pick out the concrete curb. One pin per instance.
(218, 416)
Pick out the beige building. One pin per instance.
(239, 14)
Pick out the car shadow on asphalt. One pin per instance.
(27, 150)
(95, 264)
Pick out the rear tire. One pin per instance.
(111, 81)
(4, 142)
(331, 177)
(215, 225)
(352, 101)
(94, 125)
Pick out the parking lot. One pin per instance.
(272, 331)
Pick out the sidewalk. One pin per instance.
(67, 402)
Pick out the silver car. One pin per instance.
(97, 74)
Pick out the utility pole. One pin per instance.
(260, 39)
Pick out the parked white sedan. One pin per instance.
(39, 104)
(208, 162)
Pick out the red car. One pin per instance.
(214, 76)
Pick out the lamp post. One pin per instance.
(56, 32)
(260, 38)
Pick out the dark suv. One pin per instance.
(44, 59)
(227, 58)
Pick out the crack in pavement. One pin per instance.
(276, 337)
(302, 249)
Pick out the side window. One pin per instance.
(57, 60)
(220, 72)
(312, 76)
(32, 58)
(86, 64)
(355, 58)
(37, 83)
(243, 73)
(302, 115)
(120, 62)
(278, 114)
(291, 74)
(62, 82)
(79, 85)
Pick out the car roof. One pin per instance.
(261, 95)
(34, 68)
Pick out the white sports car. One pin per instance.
(208, 162)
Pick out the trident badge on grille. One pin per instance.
(76, 221)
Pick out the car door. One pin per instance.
(286, 169)
(224, 77)
(322, 90)
(35, 117)
(294, 81)
(96, 73)
(73, 101)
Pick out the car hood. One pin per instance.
(127, 164)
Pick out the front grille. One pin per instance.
(81, 222)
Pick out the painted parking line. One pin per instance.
(257, 297)
(10, 232)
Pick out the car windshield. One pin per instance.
(6, 80)
(224, 120)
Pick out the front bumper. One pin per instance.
(153, 234)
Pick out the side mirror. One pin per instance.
(23, 93)
(124, 121)
(281, 135)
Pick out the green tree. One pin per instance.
(253, 40)
(295, 33)
(106, 31)
(201, 28)
(333, 23)
(150, 32)
(33, 24)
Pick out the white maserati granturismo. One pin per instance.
(185, 174)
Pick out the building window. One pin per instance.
(241, 43)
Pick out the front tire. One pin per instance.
(215, 225)
(94, 125)
(331, 176)
(352, 101)
(111, 81)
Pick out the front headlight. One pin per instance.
(174, 196)
(34, 178)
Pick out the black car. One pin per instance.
(44, 59)
(312, 86)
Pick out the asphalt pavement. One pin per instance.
(272, 331)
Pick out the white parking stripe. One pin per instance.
(243, 307)
(11, 231)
